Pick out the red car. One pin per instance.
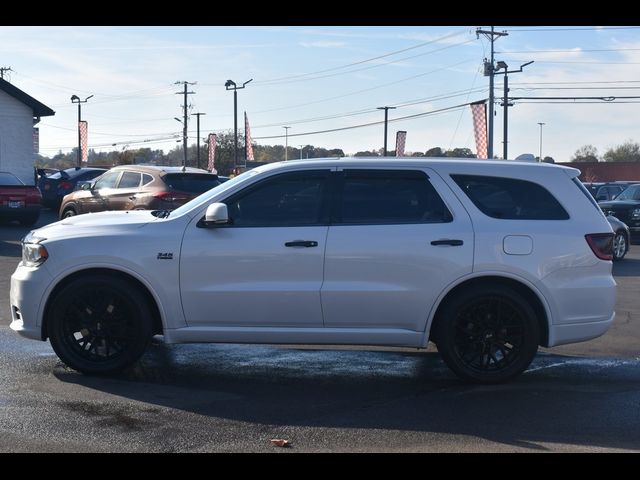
(18, 201)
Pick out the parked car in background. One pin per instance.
(18, 201)
(626, 208)
(487, 259)
(56, 185)
(622, 237)
(139, 187)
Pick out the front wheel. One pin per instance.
(99, 324)
(487, 334)
(620, 246)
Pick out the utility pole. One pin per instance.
(386, 120)
(184, 121)
(489, 71)
(198, 127)
(286, 143)
(301, 148)
(4, 69)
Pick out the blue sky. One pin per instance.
(322, 78)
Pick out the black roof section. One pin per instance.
(39, 109)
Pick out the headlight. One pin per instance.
(635, 213)
(33, 254)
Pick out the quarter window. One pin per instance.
(511, 199)
(389, 197)
(288, 199)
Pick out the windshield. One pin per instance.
(191, 182)
(630, 193)
(214, 191)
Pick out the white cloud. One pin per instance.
(321, 44)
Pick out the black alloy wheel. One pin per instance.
(99, 324)
(488, 334)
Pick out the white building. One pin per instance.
(19, 112)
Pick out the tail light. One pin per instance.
(601, 244)
(171, 196)
(66, 185)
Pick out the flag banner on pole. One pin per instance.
(247, 140)
(401, 138)
(84, 154)
(212, 153)
(479, 112)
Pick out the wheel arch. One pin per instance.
(527, 291)
(151, 301)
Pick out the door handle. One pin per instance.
(301, 243)
(447, 241)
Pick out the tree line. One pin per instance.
(629, 151)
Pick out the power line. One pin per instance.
(365, 60)
(578, 50)
(397, 119)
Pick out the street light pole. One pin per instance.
(386, 119)
(198, 127)
(301, 148)
(541, 124)
(228, 85)
(76, 99)
(286, 143)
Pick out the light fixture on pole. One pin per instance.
(231, 85)
(386, 119)
(541, 124)
(286, 143)
(76, 99)
(500, 65)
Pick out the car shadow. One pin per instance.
(560, 399)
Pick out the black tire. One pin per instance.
(99, 324)
(620, 246)
(68, 212)
(29, 220)
(487, 334)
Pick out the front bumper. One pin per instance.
(27, 300)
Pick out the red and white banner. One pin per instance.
(247, 139)
(401, 138)
(479, 112)
(84, 147)
(212, 153)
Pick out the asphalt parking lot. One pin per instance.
(235, 398)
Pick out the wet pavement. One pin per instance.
(235, 398)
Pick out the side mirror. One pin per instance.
(215, 215)
(86, 186)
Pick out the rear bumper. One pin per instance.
(578, 332)
(22, 212)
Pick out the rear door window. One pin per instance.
(388, 197)
(130, 180)
(510, 198)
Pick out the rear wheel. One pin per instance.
(487, 334)
(619, 246)
(69, 212)
(99, 324)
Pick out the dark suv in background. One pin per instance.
(58, 184)
(138, 187)
(626, 207)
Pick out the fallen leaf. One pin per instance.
(280, 442)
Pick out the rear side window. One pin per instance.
(9, 179)
(389, 197)
(510, 199)
(191, 182)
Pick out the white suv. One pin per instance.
(487, 259)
